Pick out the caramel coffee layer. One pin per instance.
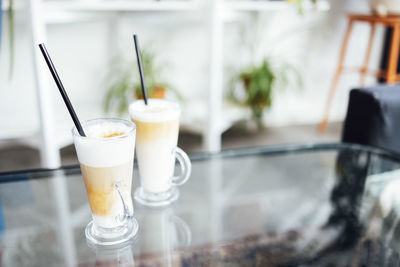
(113, 134)
(149, 131)
(100, 184)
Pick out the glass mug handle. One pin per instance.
(185, 235)
(128, 212)
(186, 167)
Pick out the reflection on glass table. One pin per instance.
(310, 205)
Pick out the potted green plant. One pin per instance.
(125, 84)
(254, 87)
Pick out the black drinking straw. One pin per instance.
(139, 60)
(61, 89)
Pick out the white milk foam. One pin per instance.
(99, 130)
(157, 110)
(100, 152)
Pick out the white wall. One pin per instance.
(311, 42)
(81, 51)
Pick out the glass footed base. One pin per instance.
(146, 198)
(112, 237)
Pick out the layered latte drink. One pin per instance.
(106, 158)
(156, 147)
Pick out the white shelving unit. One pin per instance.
(216, 118)
(121, 6)
(257, 5)
(247, 5)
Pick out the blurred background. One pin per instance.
(246, 72)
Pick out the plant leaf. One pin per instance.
(123, 82)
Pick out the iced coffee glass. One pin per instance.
(156, 148)
(106, 157)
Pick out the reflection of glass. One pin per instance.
(106, 158)
(161, 233)
(156, 146)
(117, 256)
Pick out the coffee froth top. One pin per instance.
(106, 130)
(157, 110)
(108, 142)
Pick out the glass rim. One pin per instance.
(128, 123)
(174, 105)
(141, 116)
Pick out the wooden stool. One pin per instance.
(390, 74)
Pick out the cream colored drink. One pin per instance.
(157, 136)
(106, 159)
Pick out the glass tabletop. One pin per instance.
(306, 205)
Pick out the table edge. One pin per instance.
(229, 153)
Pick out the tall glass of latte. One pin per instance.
(156, 148)
(106, 157)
